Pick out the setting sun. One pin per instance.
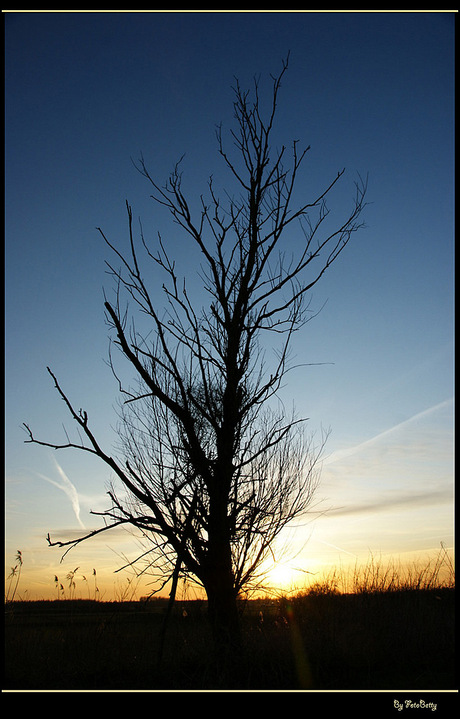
(281, 576)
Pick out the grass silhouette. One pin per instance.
(374, 629)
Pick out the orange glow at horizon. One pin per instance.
(36, 582)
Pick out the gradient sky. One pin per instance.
(370, 92)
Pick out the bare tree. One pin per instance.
(213, 465)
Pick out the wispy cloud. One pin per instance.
(401, 501)
(407, 467)
(68, 488)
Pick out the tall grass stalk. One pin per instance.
(71, 579)
(15, 574)
(96, 588)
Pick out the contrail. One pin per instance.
(68, 488)
(343, 453)
(339, 549)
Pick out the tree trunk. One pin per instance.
(225, 626)
(222, 600)
(223, 612)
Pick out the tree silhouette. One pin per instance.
(213, 465)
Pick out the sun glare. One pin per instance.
(280, 576)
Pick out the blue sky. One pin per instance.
(85, 93)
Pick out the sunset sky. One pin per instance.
(87, 93)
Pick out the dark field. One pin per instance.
(401, 640)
